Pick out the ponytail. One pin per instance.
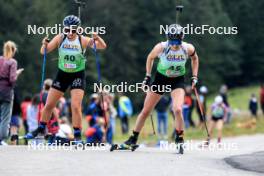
(9, 49)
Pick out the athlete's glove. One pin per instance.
(194, 81)
(45, 41)
(147, 80)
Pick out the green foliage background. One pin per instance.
(132, 29)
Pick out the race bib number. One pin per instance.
(174, 71)
(69, 65)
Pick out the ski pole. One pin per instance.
(179, 9)
(201, 110)
(99, 79)
(43, 72)
(79, 4)
(152, 123)
(43, 66)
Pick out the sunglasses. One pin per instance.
(174, 42)
(68, 30)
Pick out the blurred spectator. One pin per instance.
(68, 110)
(203, 93)
(24, 105)
(262, 98)
(62, 107)
(91, 112)
(46, 87)
(52, 125)
(102, 108)
(218, 113)
(125, 110)
(223, 93)
(95, 134)
(64, 134)
(112, 115)
(8, 77)
(14, 124)
(187, 106)
(162, 116)
(32, 113)
(189, 95)
(253, 105)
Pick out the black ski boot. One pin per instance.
(130, 144)
(40, 130)
(179, 141)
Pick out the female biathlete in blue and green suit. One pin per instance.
(71, 72)
(172, 55)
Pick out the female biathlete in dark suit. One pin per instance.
(172, 55)
(71, 72)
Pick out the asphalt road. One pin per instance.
(25, 161)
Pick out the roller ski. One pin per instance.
(131, 147)
(37, 133)
(205, 144)
(130, 144)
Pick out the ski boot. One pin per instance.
(39, 131)
(130, 144)
(179, 142)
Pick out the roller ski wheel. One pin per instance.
(205, 144)
(124, 147)
(78, 145)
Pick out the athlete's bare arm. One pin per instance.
(195, 59)
(152, 55)
(100, 43)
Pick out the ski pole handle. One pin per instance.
(179, 8)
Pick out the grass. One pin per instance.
(229, 130)
(238, 99)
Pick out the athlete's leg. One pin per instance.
(53, 97)
(76, 107)
(219, 127)
(150, 102)
(177, 103)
